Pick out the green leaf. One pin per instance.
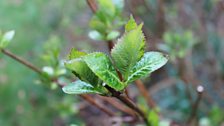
(107, 7)
(153, 118)
(98, 23)
(6, 38)
(80, 68)
(131, 24)
(101, 65)
(80, 87)
(74, 53)
(113, 35)
(150, 62)
(128, 50)
(95, 35)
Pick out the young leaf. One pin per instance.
(131, 24)
(113, 35)
(74, 53)
(107, 7)
(129, 49)
(95, 35)
(80, 68)
(80, 87)
(98, 23)
(150, 62)
(101, 65)
(6, 38)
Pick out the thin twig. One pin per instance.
(22, 61)
(129, 103)
(93, 102)
(118, 105)
(200, 90)
(145, 93)
(92, 5)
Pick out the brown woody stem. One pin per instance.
(129, 103)
(93, 102)
(200, 90)
(92, 5)
(141, 87)
(22, 61)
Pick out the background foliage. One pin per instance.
(190, 32)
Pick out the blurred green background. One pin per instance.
(190, 31)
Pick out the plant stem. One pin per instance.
(200, 90)
(93, 102)
(22, 61)
(92, 5)
(118, 105)
(141, 87)
(38, 71)
(129, 103)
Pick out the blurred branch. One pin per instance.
(92, 5)
(160, 19)
(93, 102)
(129, 103)
(200, 90)
(141, 87)
(118, 105)
(22, 61)
(163, 84)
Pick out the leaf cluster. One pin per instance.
(95, 70)
(106, 20)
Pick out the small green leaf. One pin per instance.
(97, 23)
(48, 70)
(150, 62)
(74, 53)
(153, 118)
(131, 24)
(80, 68)
(95, 35)
(80, 87)
(128, 50)
(113, 35)
(6, 38)
(107, 7)
(101, 65)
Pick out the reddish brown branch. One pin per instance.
(93, 102)
(160, 19)
(118, 105)
(92, 5)
(145, 93)
(200, 90)
(22, 61)
(129, 103)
